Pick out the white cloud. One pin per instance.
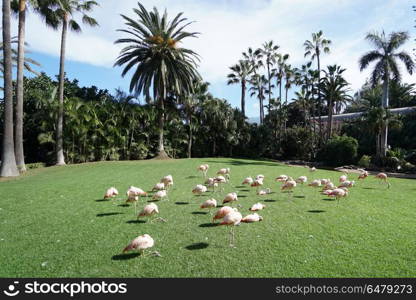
(230, 27)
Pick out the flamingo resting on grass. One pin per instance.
(149, 211)
(140, 243)
(252, 218)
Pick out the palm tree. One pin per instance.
(161, 65)
(258, 86)
(62, 13)
(386, 55)
(8, 164)
(20, 6)
(334, 88)
(240, 74)
(289, 74)
(254, 59)
(190, 106)
(269, 52)
(302, 98)
(314, 49)
(279, 72)
(377, 118)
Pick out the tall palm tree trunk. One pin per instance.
(385, 128)
(8, 164)
(19, 152)
(330, 114)
(270, 87)
(190, 137)
(243, 97)
(319, 99)
(261, 107)
(280, 91)
(285, 111)
(161, 148)
(60, 159)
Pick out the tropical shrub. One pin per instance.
(339, 150)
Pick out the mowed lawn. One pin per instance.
(54, 223)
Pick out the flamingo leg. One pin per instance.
(232, 236)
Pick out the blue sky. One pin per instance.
(227, 28)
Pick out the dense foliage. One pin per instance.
(102, 126)
(340, 150)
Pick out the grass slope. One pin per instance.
(54, 223)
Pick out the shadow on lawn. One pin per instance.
(299, 196)
(125, 256)
(316, 211)
(204, 225)
(123, 205)
(190, 177)
(197, 246)
(328, 199)
(109, 214)
(270, 200)
(102, 200)
(181, 203)
(367, 188)
(136, 222)
(238, 162)
(199, 212)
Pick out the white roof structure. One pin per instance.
(356, 115)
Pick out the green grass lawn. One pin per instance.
(54, 223)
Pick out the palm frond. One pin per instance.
(407, 60)
(368, 58)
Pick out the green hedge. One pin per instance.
(340, 150)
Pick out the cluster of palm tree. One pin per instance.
(266, 73)
(57, 14)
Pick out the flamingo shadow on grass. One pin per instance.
(237, 162)
(181, 203)
(207, 225)
(109, 214)
(197, 246)
(125, 256)
(102, 200)
(316, 211)
(123, 205)
(270, 200)
(245, 190)
(136, 222)
(367, 188)
(242, 196)
(199, 212)
(191, 177)
(328, 199)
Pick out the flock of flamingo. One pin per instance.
(227, 214)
